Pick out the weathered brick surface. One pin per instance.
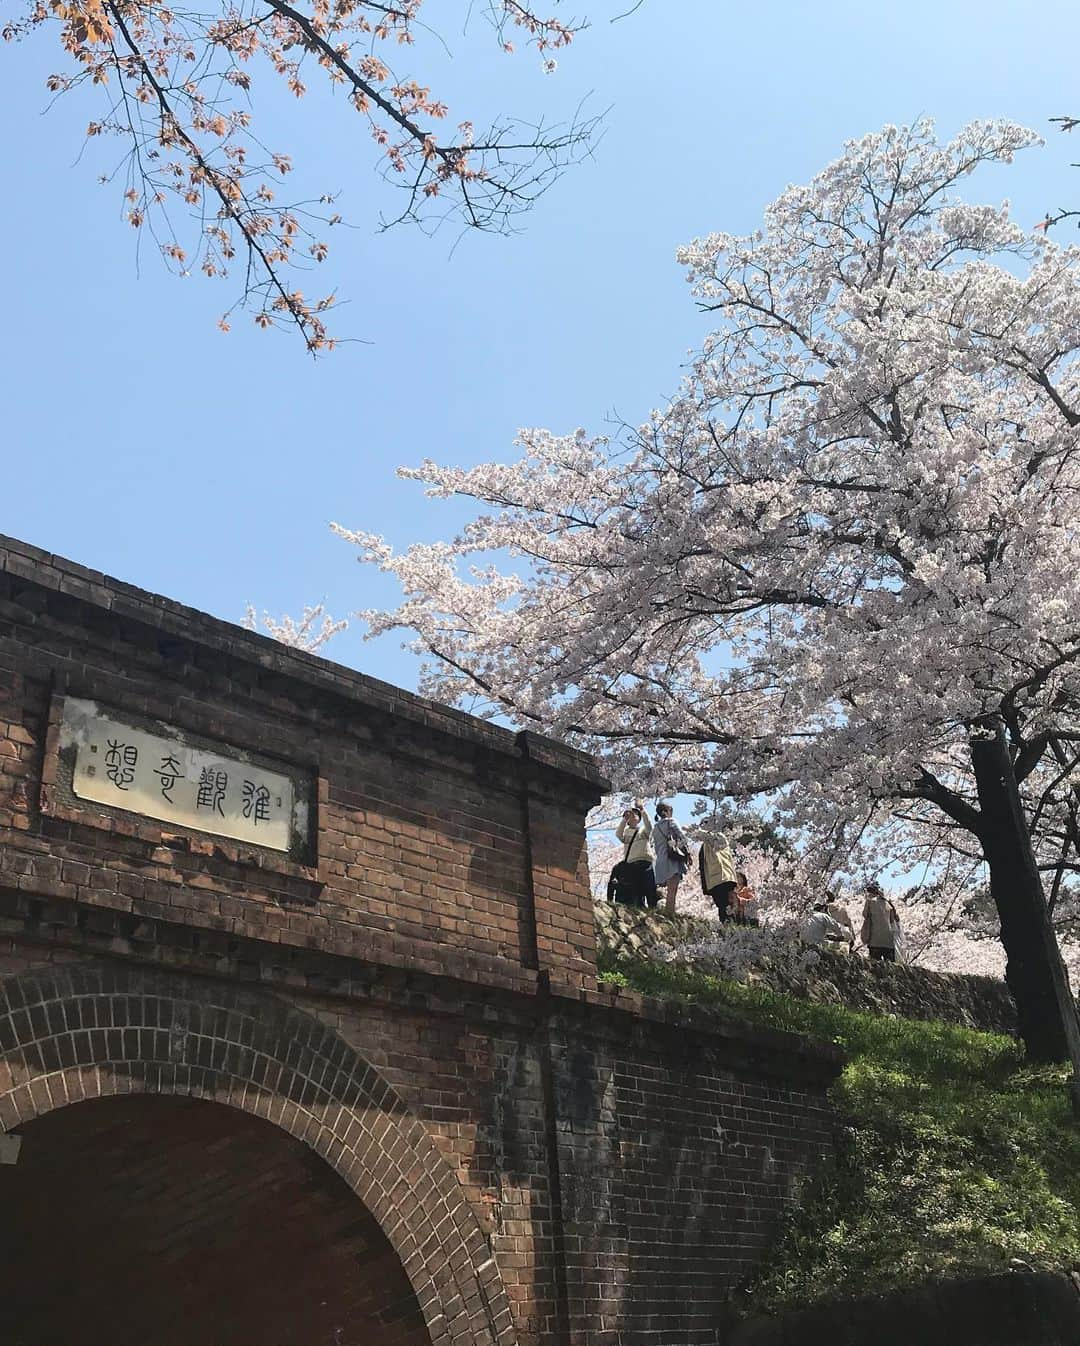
(129, 1205)
(72, 1034)
(442, 842)
(677, 1146)
(678, 1157)
(553, 1164)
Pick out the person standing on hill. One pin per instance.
(880, 924)
(672, 854)
(716, 866)
(637, 881)
(842, 917)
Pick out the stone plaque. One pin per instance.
(163, 776)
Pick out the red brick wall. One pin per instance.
(174, 1222)
(424, 853)
(598, 1175)
(679, 1158)
(624, 1171)
(71, 1034)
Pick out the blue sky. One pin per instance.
(141, 441)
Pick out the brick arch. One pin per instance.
(83, 1031)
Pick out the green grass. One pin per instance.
(956, 1157)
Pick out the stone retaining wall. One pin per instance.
(878, 988)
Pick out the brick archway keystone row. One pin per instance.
(83, 1031)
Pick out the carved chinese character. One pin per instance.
(256, 802)
(120, 763)
(213, 782)
(169, 773)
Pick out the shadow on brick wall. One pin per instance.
(1022, 1308)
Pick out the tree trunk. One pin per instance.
(1035, 973)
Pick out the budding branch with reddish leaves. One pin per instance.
(173, 81)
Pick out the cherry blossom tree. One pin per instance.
(176, 85)
(949, 924)
(839, 572)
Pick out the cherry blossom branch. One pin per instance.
(311, 327)
(194, 66)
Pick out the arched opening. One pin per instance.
(171, 1221)
(73, 1033)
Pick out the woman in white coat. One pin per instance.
(881, 925)
(635, 880)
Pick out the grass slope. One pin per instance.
(956, 1157)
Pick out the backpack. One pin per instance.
(616, 879)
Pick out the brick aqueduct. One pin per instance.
(352, 1084)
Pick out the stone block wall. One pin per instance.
(982, 1003)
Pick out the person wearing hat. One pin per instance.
(880, 924)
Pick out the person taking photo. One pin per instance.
(636, 882)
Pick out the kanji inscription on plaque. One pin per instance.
(164, 776)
